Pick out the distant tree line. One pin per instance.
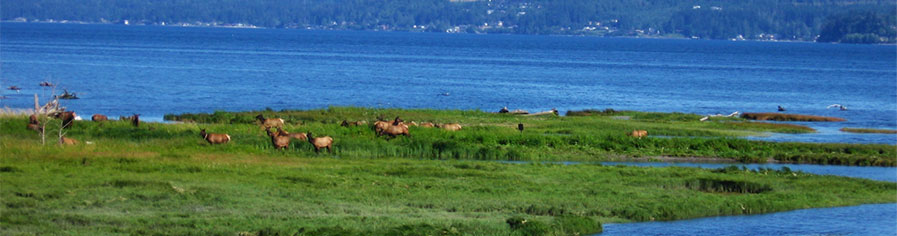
(859, 27)
(717, 19)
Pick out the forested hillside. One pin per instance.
(721, 19)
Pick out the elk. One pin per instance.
(379, 126)
(278, 139)
(394, 130)
(34, 124)
(35, 127)
(67, 141)
(270, 123)
(353, 123)
(67, 117)
(33, 119)
(299, 136)
(321, 142)
(450, 126)
(135, 120)
(99, 117)
(638, 133)
(214, 138)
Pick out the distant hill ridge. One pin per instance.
(721, 19)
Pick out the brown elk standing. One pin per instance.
(279, 139)
(214, 138)
(380, 125)
(397, 127)
(99, 117)
(270, 123)
(394, 130)
(67, 117)
(321, 142)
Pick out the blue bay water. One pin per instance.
(871, 219)
(151, 70)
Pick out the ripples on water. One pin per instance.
(120, 70)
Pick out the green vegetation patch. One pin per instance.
(789, 117)
(484, 136)
(869, 131)
(88, 193)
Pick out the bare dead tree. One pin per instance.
(45, 112)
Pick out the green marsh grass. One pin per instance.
(82, 190)
(869, 131)
(491, 136)
(789, 117)
(164, 179)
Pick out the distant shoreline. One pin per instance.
(241, 26)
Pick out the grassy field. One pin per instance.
(89, 190)
(164, 179)
(489, 136)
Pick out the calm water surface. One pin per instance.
(872, 219)
(151, 70)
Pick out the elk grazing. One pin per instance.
(299, 136)
(450, 126)
(427, 124)
(67, 141)
(379, 126)
(67, 117)
(99, 117)
(270, 123)
(214, 138)
(279, 139)
(321, 142)
(638, 133)
(395, 129)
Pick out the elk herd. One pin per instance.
(280, 138)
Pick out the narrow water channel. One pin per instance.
(870, 219)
